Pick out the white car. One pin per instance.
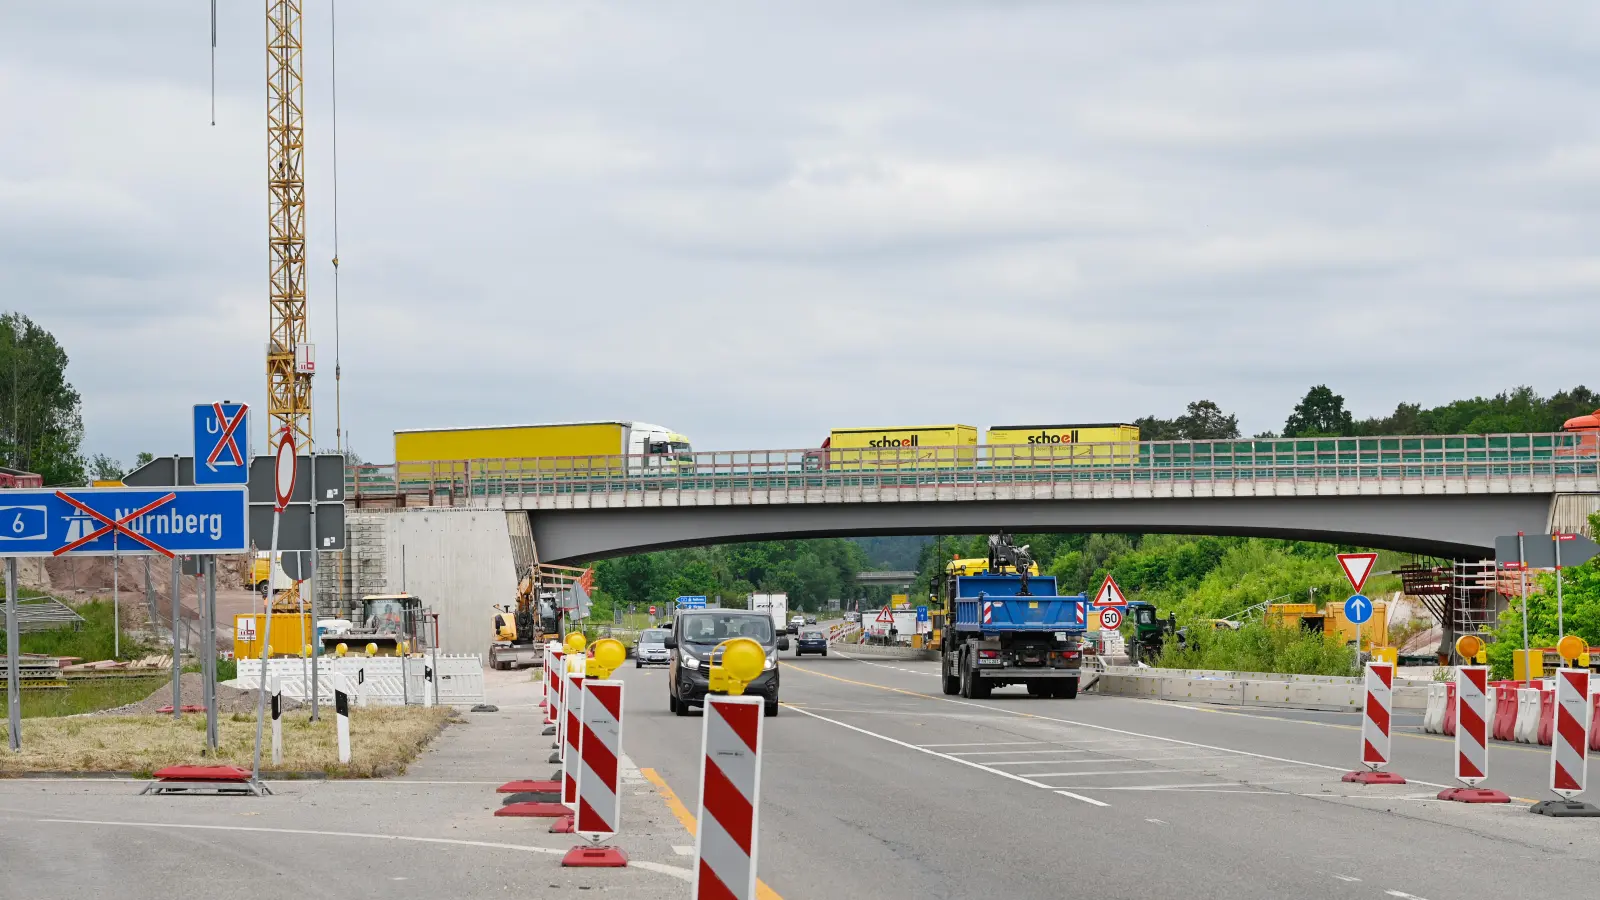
(796, 623)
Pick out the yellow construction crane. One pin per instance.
(290, 359)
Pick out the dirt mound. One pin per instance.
(229, 700)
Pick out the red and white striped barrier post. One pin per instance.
(730, 778)
(1375, 727)
(1472, 736)
(599, 800)
(572, 730)
(555, 668)
(1569, 741)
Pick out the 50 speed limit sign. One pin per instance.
(1110, 619)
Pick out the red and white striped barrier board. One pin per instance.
(1375, 727)
(730, 798)
(1569, 745)
(1472, 713)
(553, 667)
(599, 788)
(572, 732)
(988, 613)
(1472, 738)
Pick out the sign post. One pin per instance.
(13, 659)
(283, 490)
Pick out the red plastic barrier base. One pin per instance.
(1372, 778)
(561, 826)
(188, 708)
(529, 787)
(595, 858)
(1473, 795)
(202, 773)
(533, 810)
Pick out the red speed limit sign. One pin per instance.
(1110, 619)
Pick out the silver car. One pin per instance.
(651, 649)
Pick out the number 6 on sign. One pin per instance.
(23, 523)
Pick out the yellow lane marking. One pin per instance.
(686, 819)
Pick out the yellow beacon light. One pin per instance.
(575, 642)
(1571, 648)
(372, 649)
(609, 655)
(1470, 647)
(741, 660)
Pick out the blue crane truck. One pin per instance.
(1004, 624)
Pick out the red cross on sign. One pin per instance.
(226, 441)
(120, 526)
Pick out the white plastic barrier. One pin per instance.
(378, 680)
(1527, 715)
(1433, 714)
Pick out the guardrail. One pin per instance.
(1486, 459)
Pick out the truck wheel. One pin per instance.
(980, 687)
(964, 679)
(1067, 689)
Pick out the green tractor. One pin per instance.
(1150, 631)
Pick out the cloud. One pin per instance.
(754, 224)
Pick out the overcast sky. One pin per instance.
(756, 222)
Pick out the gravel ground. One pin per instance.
(229, 700)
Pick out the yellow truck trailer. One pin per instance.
(1078, 445)
(898, 447)
(574, 448)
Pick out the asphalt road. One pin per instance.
(876, 785)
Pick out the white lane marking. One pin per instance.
(373, 781)
(1008, 752)
(681, 874)
(1089, 800)
(955, 759)
(1403, 895)
(1051, 762)
(1345, 878)
(1106, 773)
(1151, 787)
(1157, 822)
(973, 744)
(682, 850)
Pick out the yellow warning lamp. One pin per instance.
(1574, 650)
(342, 649)
(739, 661)
(609, 655)
(575, 642)
(1470, 646)
(372, 649)
(308, 650)
(404, 648)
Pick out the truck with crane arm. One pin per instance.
(1005, 624)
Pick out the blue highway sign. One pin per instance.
(922, 614)
(220, 443)
(697, 602)
(134, 521)
(1358, 609)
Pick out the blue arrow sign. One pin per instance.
(1358, 609)
(135, 521)
(922, 614)
(221, 432)
(697, 602)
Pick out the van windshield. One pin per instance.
(714, 628)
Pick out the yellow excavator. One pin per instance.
(522, 630)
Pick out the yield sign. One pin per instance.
(1110, 594)
(885, 617)
(1357, 566)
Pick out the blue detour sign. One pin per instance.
(220, 430)
(102, 521)
(1358, 609)
(922, 614)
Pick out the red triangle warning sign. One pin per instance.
(1110, 594)
(885, 617)
(1357, 566)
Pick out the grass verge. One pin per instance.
(383, 741)
(85, 696)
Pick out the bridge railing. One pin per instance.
(1461, 458)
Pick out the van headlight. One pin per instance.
(771, 663)
(689, 662)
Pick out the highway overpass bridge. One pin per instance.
(1445, 496)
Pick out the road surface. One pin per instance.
(874, 785)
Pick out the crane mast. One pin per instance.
(288, 379)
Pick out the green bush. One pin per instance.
(1259, 647)
(91, 640)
